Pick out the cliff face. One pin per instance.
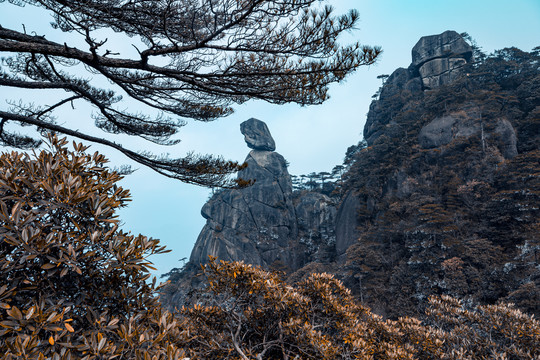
(442, 198)
(437, 60)
(446, 191)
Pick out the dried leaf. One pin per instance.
(69, 327)
(101, 343)
(15, 312)
(30, 312)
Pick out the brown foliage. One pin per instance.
(248, 313)
(72, 285)
(469, 198)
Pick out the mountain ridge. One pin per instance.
(441, 197)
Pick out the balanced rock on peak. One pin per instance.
(253, 224)
(264, 224)
(257, 135)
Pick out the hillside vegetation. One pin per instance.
(448, 193)
(74, 286)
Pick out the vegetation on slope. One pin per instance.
(74, 286)
(460, 218)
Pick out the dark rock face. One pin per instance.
(262, 224)
(438, 58)
(316, 214)
(465, 123)
(257, 135)
(437, 133)
(254, 224)
(447, 190)
(449, 44)
(509, 138)
(446, 203)
(347, 231)
(316, 217)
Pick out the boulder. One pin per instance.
(439, 72)
(465, 123)
(449, 44)
(395, 83)
(437, 133)
(257, 135)
(508, 138)
(438, 59)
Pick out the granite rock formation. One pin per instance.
(436, 60)
(257, 135)
(439, 58)
(262, 224)
(465, 123)
(444, 197)
(347, 229)
(441, 198)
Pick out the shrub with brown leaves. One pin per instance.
(72, 285)
(248, 313)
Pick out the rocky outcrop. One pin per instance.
(254, 224)
(438, 202)
(257, 135)
(261, 224)
(449, 44)
(443, 199)
(316, 216)
(436, 60)
(439, 58)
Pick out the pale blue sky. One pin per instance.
(310, 138)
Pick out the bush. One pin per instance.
(72, 285)
(248, 313)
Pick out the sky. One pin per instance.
(313, 138)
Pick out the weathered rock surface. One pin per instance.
(449, 171)
(261, 224)
(316, 217)
(257, 135)
(436, 60)
(438, 132)
(440, 201)
(347, 231)
(463, 124)
(449, 44)
(439, 58)
(254, 224)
